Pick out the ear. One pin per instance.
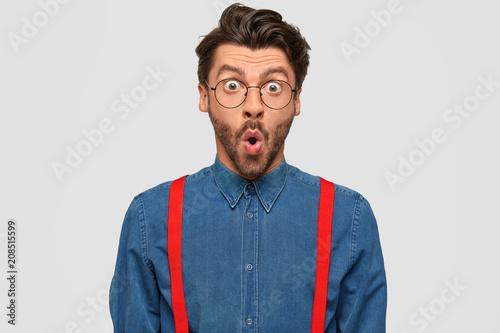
(296, 101)
(203, 106)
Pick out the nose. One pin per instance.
(253, 108)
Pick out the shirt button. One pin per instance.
(249, 267)
(250, 215)
(250, 187)
(249, 321)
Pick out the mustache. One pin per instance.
(252, 124)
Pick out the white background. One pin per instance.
(357, 118)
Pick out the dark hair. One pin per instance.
(255, 29)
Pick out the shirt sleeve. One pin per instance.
(134, 295)
(363, 291)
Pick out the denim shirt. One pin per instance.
(249, 257)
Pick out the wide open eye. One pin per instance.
(273, 87)
(232, 85)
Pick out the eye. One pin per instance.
(232, 85)
(273, 87)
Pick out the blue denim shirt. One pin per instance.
(249, 257)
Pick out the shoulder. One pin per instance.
(161, 191)
(341, 192)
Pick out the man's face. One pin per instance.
(250, 138)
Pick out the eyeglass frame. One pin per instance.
(246, 94)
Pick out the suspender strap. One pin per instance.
(324, 241)
(174, 238)
(325, 215)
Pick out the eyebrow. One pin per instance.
(275, 70)
(240, 71)
(228, 68)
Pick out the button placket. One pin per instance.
(249, 258)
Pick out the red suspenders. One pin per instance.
(174, 254)
(174, 238)
(325, 213)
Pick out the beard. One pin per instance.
(251, 166)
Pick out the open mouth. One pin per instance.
(252, 137)
(252, 142)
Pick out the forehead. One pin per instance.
(251, 64)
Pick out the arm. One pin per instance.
(363, 291)
(134, 295)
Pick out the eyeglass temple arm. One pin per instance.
(209, 85)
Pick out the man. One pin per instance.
(250, 243)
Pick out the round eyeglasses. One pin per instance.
(231, 93)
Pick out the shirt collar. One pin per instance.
(267, 187)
